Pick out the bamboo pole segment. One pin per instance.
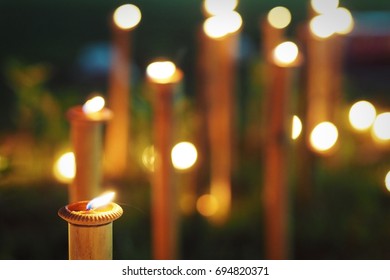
(86, 138)
(164, 197)
(90, 231)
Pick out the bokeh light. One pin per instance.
(296, 127)
(324, 6)
(279, 17)
(217, 7)
(220, 26)
(94, 105)
(321, 26)
(184, 155)
(381, 127)
(362, 115)
(64, 168)
(285, 53)
(324, 136)
(161, 71)
(387, 181)
(127, 16)
(207, 205)
(148, 158)
(342, 20)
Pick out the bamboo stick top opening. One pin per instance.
(76, 113)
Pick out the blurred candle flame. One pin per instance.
(94, 105)
(100, 201)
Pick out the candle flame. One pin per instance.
(94, 105)
(100, 201)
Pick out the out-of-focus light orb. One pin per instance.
(324, 136)
(94, 105)
(362, 115)
(217, 7)
(207, 205)
(296, 127)
(324, 6)
(322, 26)
(387, 181)
(64, 168)
(127, 16)
(381, 126)
(184, 155)
(285, 53)
(279, 17)
(161, 71)
(221, 25)
(149, 158)
(342, 20)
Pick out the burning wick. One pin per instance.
(94, 105)
(100, 201)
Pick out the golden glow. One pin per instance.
(207, 205)
(324, 136)
(161, 72)
(387, 181)
(342, 20)
(381, 127)
(279, 17)
(296, 127)
(221, 25)
(94, 105)
(127, 16)
(4, 163)
(285, 53)
(100, 201)
(322, 26)
(187, 203)
(324, 6)
(362, 115)
(149, 158)
(64, 168)
(184, 155)
(217, 7)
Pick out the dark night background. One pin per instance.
(53, 54)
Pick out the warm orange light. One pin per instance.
(94, 105)
(279, 17)
(207, 205)
(222, 25)
(285, 54)
(100, 201)
(217, 7)
(362, 115)
(184, 155)
(127, 16)
(324, 136)
(64, 168)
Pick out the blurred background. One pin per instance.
(335, 199)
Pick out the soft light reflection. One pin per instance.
(217, 7)
(127, 16)
(161, 71)
(362, 115)
(324, 136)
(207, 205)
(285, 53)
(296, 127)
(64, 168)
(381, 127)
(322, 26)
(94, 105)
(324, 6)
(279, 17)
(387, 181)
(100, 201)
(221, 25)
(184, 155)
(149, 158)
